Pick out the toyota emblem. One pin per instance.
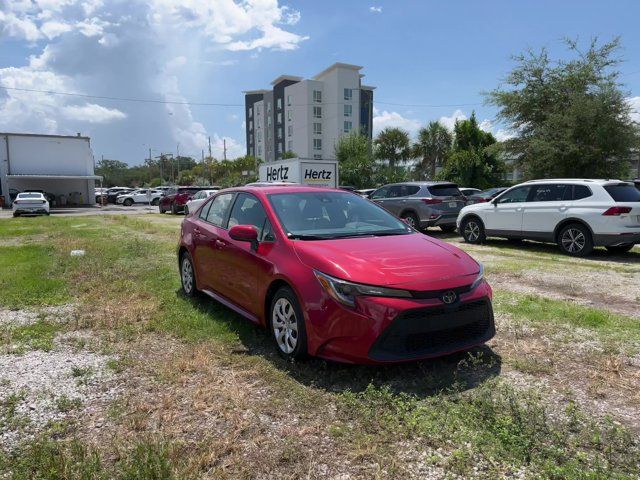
(449, 297)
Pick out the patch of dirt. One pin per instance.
(40, 387)
(603, 384)
(57, 314)
(598, 288)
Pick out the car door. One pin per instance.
(140, 196)
(206, 239)
(504, 217)
(545, 208)
(241, 264)
(380, 195)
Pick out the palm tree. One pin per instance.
(433, 145)
(393, 145)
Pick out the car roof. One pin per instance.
(599, 181)
(423, 183)
(286, 188)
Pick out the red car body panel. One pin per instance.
(240, 277)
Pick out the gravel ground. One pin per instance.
(41, 387)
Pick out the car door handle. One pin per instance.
(563, 208)
(197, 231)
(220, 244)
(519, 209)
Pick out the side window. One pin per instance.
(205, 211)
(411, 190)
(218, 211)
(380, 193)
(267, 232)
(396, 191)
(516, 195)
(581, 191)
(247, 210)
(549, 193)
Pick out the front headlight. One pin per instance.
(479, 277)
(346, 292)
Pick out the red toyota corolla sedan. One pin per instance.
(331, 274)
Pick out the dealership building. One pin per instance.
(62, 166)
(307, 116)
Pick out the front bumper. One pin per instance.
(395, 330)
(611, 239)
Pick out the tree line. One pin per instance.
(566, 118)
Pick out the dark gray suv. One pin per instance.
(422, 204)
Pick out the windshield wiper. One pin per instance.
(298, 236)
(373, 234)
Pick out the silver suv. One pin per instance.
(422, 204)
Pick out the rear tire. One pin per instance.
(155, 202)
(186, 210)
(187, 276)
(472, 230)
(286, 324)
(174, 209)
(619, 248)
(448, 228)
(575, 240)
(160, 209)
(411, 219)
(15, 215)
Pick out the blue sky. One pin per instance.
(414, 52)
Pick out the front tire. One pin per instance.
(155, 202)
(448, 228)
(575, 240)
(128, 202)
(472, 230)
(187, 276)
(619, 248)
(174, 209)
(286, 323)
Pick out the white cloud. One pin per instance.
(375, 9)
(450, 121)
(92, 113)
(634, 103)
(384, 119)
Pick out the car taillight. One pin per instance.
(16, 201)
(431, 201)
(615, 211)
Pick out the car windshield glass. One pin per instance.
(324, 215)
(490, 192)
(623, 192)
(444, 191)
(29, 195)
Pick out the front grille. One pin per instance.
(435, 331)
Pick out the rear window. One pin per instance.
(623, 192)
(445, 191)
(29, 195)
(189, 190)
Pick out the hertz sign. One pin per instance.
(321, 173)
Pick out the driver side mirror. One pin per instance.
(245, 233)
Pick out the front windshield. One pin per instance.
(322, 215)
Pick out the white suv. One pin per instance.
(576, 214)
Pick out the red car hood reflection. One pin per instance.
(414, 262)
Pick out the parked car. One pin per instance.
(198, 199)
(30, 203)
(333, 275)
(143, 195)
(111, 194)
(365, 192)
(576, 214)
(468, 191)
(422, 204)
(485, 195)
(175, 199)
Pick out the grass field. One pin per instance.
(162, 386)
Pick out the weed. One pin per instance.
(65, 404)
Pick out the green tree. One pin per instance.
(570, 117)
(473, 161)
(393, 146)
(357, 165)
(432, 147)
(289, 154)
(113, 171)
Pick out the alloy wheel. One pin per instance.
(187, 275)
(285, 325)
(573, 240)
(472, 231)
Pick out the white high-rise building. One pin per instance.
(307, 117)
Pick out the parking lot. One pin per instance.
(144, 375)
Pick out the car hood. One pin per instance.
(414, 262)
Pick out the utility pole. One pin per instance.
(224, 148)
(160, 159)
(210, 160)
(178, 158)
